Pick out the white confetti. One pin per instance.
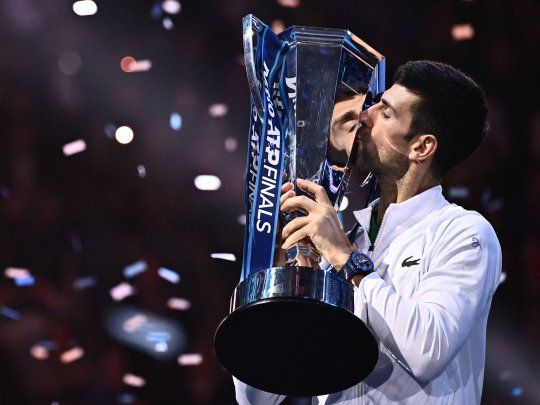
(134, 323)
(124, 135)
(218, 110)
(133, 380)
(344, 204)
(503, 277)
(168, 275)
(462, 32)
(224, 256)
(142, 171)
(121, 291)
(207, 182)
(74, 147)
(71, 355)
(190, 359)
(16, 272)
(167, 23)
(85, 7)
(180, 304)
(171, 6)
(134, 269)
(175, 121)
(39, 352)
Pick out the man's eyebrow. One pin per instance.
(386, 103)
(350, 115)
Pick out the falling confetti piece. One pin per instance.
(231, 144)
(142, 171)
(224, 256)
(168, 275)
(39, 352)
(218, 110)
(121, 291)
(180, 304)
(502, 279)
(207, 182)
(25, 281)
(124, 135)
(72, 355)
(171, 6)
(84, 282)
(126, 398)
(133, 380)
(277, 26)
(175, 121)
(134, 323)
(134, 269)
(167, 23)
(289, 3)
(130, 65)
(241, 219)
(16, 272)
(190, 359)
(74, 147)
(10, 313)
(462, 32)
(458, 192)
(85, 8)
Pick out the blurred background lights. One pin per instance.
(175, 121)
(224, 256)
(124, 135)
(231, 144)
(69, 63)
(126, 398)
(218, 110)
(141, 170)
(517, 391)
(83, 283)
(462, 32)
(85, 7)
(207, 182)
(241, 219)
(16, 272)
(10, 313)
(171, 6)
(167, 23)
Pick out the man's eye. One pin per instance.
(384, 115)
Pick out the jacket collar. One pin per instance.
(403, 215)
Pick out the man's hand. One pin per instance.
(320, 225)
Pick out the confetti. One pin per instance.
(72, 355)
(207, 182)
(458, 192)
(502, 279)
(517, 391)
(167, 23)
(74, 147)
(84, 282)
(344, 204)
(10, 313)
(69, 63)
(130, 65)
(85, 7)
(289, 3)
(180, 304)
(161, 347)
(175, 121)
(190, 359)
(121, 291)
(124, 135)
(39, 352)
(134, 323)
(171, 6)
(160, 340)
(16, 272)
(25, 281)
(142, 171)
(134, 269)
(133, 380)
(168, 275)
(462, 32)
(277, 26)
(218, 110)
(126, 398)
(224, 256)
(231, 144)
(241, 219)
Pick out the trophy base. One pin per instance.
(291, 344)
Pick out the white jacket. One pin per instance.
(429, 318)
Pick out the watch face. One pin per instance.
(362, 262)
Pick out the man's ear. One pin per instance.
(423, 148)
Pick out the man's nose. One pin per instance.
(366, 117)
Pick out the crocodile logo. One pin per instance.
(409, 263)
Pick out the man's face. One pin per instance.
(382, 148)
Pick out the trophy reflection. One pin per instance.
(287, 315)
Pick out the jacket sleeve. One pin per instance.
(248, 395)
(426, 331)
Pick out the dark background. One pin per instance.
(91, 214)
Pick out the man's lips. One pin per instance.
(362, 132)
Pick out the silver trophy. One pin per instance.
(291, 328)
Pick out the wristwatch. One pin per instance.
(357, 264)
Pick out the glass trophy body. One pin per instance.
(291, 328)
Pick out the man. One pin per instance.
(436, 264)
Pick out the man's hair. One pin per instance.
(452, 107)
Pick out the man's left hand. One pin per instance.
(321, 224)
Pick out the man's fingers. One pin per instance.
(314, 189)
(286, 187)
(285, 196)
(302, 203)
(294, 225)
(295, 238)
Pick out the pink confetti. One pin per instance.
(190, 359)
(72, 355)
(180, 304)
(134, 380)
(74, 147)
(121, 291)
(462, 32)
